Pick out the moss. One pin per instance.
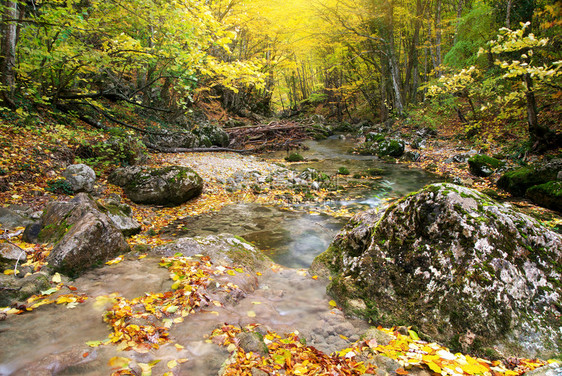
(294, 157)
(518, 181)
(548, 195)
(343, 171)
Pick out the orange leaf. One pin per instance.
(401, 371)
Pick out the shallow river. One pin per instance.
(51, 340)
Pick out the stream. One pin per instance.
(51, 340)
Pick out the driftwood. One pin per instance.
(276, 135)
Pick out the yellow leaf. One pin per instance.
(172, 364)
(118, 362)
(333, 303)
(142, 256)
(56, 278)
(179, 347)
(251, 314)
(434, 367)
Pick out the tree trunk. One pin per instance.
(8, 53)
(459, 15)
(392, 61)
(508, 14)
(438, 38)
(411, 70)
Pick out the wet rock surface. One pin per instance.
(449, 260)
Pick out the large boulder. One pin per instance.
(170, 186)
(519, 180)
(483, 165)
(548, 195)
(452, 262)
(83, 236)
(80, 177)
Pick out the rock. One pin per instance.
(224, 249)
(518, 181)
(449, 260)
(172, 140)
(391, 148)
(169, 186)
(32, 231)
(18, 289)
(386, 364)
(9, 252)
(121, 215)
(83, 236)
(10, 219)
(252, 342)
(80, 177)
(548, 195)
(554, 369)
(374, 137)
(483, 165)
(379, 336)
(211, 135)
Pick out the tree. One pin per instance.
(532, 75)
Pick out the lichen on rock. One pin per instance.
(449, 260)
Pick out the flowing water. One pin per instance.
(51, 340)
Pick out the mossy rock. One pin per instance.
(391, 148)
(374, 137)
(294, 157)
(169, 186)
(518, 181)
(446, 259)
(548, 195)
(483, 165)
(343, 171)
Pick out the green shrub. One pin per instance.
(60, 186)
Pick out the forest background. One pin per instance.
(492, 65)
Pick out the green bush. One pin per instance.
(60, 186)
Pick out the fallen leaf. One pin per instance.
(118, 362)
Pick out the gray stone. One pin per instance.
(80, 177)
(169, 186)
(554, 369)
(10, 219)
(171, 140)
(121, 215)
(382, 338)
(16, 289)
(252, 342)
(459, 262)
(83, 236)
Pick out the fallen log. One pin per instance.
(194, 150)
